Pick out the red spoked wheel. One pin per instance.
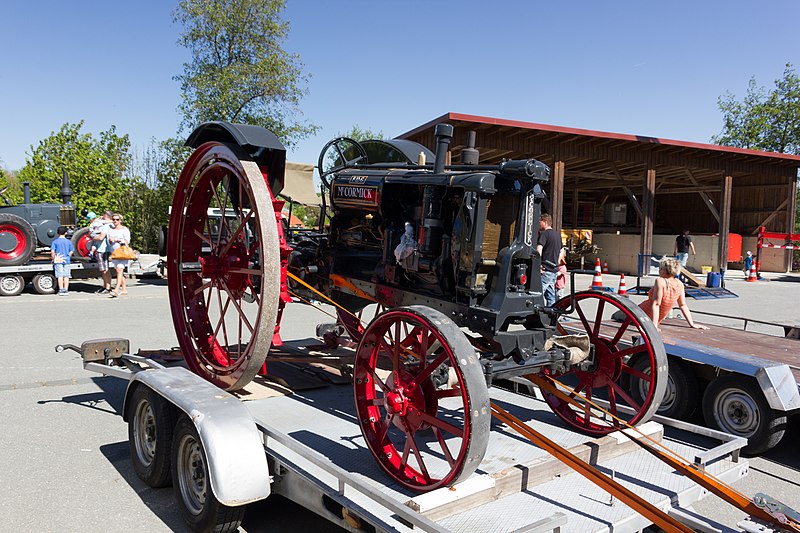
(421, 398)
(615, 344)
(82, 242)
(17, 240)
(224, 266)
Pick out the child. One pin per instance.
(748, 263)
(61, 253)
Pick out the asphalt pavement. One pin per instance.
(64, 463)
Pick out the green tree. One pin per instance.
(96, 167)
(239, 71)
(358, 134)
(763, 120)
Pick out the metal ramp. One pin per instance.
(709, 293)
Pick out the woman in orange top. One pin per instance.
(667, 291)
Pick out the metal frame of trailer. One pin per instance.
(265, 446)
(29, 271)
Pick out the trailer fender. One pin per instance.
(775, 379)
(237, 464)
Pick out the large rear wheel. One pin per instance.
(607, 379)
(17, 240)
(223, 266)
(421, 398)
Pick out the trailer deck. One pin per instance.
(517, 487)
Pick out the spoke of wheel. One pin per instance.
(204, 238)
(598, 321)
(577, 390)
(612, 404)
(447, 393)
(202, 287)
(385, 428)
(209, 295)
(417, 453)
(396, 354)
(223, 218)
(378, 380)
(622, 328)
(376, 402)
(406, 449)
(634, 372)
(428, 370)
(242, 316)
(441, 424)
(587, 407)
(222, 320)
(235, 234)
(249, 271)
(450, 460)
(629, 351)
(583, 319)
(625, 396)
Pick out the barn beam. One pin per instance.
(724, 221)
(704, 195)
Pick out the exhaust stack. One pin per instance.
(469, 155)
(26, 192)
(66, 192)
(443, 134)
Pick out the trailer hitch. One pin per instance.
(99, 350)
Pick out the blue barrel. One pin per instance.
(713, 279)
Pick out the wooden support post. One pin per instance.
(557, 196)
(724, 222)
(648, 211)
(575, 208)
(791, 209)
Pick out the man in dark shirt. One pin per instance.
(549, 247)
(683, 243)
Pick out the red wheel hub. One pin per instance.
(13, 241)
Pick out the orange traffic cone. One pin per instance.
(623, 289)
(605, 267)
(597, 280)
(752, 276)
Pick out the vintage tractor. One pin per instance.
(443, 255)
(28, 226)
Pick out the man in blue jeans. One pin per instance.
(549, 247)
(683, 243)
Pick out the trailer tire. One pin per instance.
(199, 507)
(17, 240)
(681, 395)
(735, 404)
(11, 285)
(44, 283)
(150, 427)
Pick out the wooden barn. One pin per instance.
(636, 193)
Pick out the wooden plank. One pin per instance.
(648, 211)
(692, 278)
(557, 196)
(520, 478)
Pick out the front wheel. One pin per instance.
(736, 405)
(421, 398)
(199, 507)
(17, 240)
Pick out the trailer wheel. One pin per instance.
(421, 398)
(199, 507)
(82, 242)
(612, 345)
(735, 404)
(224, 274)
(681, 395)
(11, 285)
(17, 240)
(150, 429)
(44, 283)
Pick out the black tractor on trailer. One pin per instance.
(447, 253)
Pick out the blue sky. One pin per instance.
(647, 68)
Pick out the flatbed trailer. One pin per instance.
(737, 381)
(307, 446)
(749, 382)
(39, 272)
